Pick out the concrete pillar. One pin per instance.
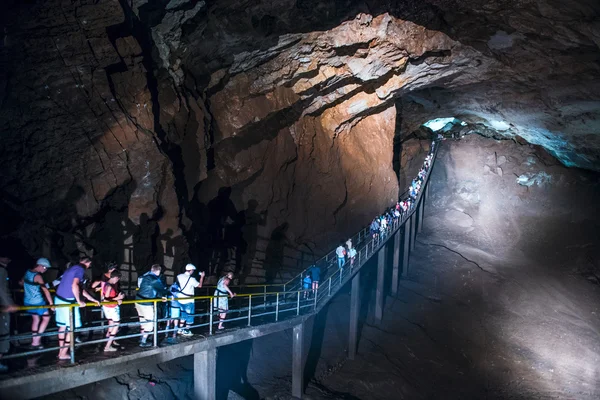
(413, 220)
(354, 312)
(380, 284)
(298, 361)
(396, 263)
(205, 374)
(421, 212)
(405, 248)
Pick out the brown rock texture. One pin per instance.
(256, 134)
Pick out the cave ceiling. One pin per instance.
(144, 107)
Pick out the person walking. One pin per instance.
(69, 291)
(221, 302)
(315, 274)
(112, 312)
(340, 251)
(351, 256)
(306, 285)
(186, 284)
(36, 294)
(6, 306)
(150, 287)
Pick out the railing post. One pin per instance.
(298, 304)
(155, 336)
(265, 296)
(277, 308)
(316, 296)
(210, 316)
(329, 294)
(249, 309)
(72, 333)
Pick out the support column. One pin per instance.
(380, 284)
(354, 312)
(405, 248)
(413, 220)
(205, 374)
(298, 361)
(421, 212)
(396, 263)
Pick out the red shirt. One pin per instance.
(108, 293)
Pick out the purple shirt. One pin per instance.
(65, 289)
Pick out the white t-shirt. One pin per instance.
(186, 290)
(340, 251)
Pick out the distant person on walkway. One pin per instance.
(222, 302)
(315, 275)
(349, 243)
(6, 306)
(150, 287)
(36, 294)
(352, 256)
(375, 228)
(306, 285)
(110, 292)
(69, 291)
(184, 289)
(340, 251)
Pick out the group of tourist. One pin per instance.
(180, 312)
(70, 289)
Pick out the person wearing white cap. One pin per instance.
(35, 292)
(183, 290)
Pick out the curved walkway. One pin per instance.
(258, 311)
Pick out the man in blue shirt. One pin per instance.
(69, 291)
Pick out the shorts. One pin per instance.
(62, 313)
(112, 313)
(306, 286)
(37, 311)
(175, 310)
(146, 314)
(187, 312)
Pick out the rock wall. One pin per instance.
(253, 135)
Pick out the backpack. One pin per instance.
(175, 288)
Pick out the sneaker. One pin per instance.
(110, 349)
(115, 343)
(186, 332)
(145, 344)
(78, 339)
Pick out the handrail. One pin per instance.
(290, 302)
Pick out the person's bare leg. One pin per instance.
(112, 333)
(43, 325)
(35, 325)
(62, 342)
(221, 319)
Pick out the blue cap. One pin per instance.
(43, 261)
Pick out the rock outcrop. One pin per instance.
(179, 130)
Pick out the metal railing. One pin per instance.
(246, 309)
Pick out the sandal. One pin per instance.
(110, 349)
(64, 358)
